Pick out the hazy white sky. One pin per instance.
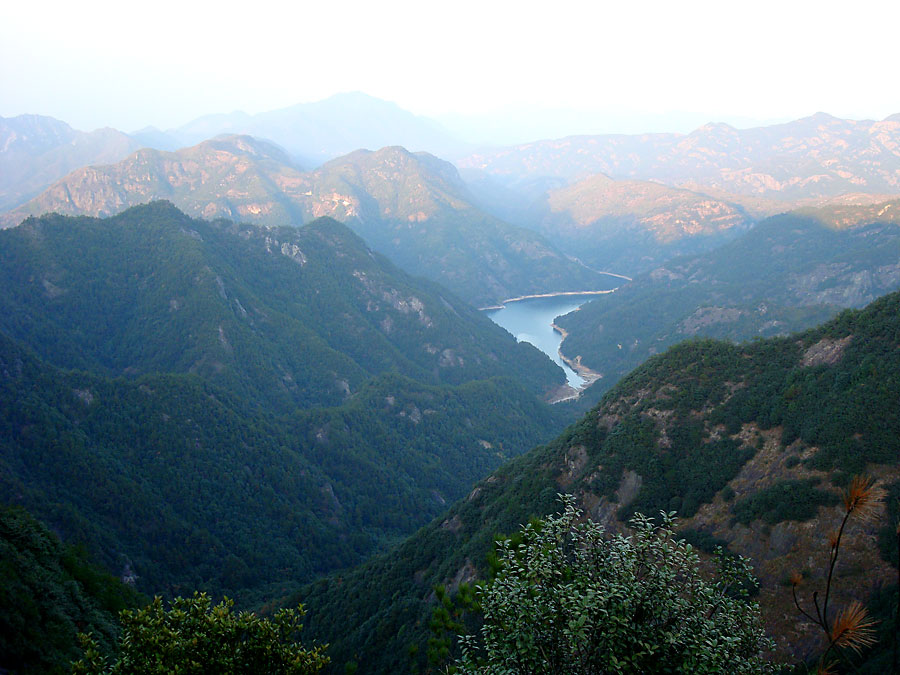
(96, 63)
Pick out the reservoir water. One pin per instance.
(530, 320)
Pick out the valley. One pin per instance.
(250, 357)
(532, 320)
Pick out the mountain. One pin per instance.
(239, 409)
(235, 177)
(412, 207)
(808, 159)
(417, 210)
(629, 225)
(319, 131)
(151, 137)
(37, 150)
(752, 444)
(787, 273)
(180, 485)
(295, 316)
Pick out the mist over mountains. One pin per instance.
(412, 207)
(37, 150)
(244, 356)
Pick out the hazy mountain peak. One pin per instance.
(36, 150)
(33, 133)
(824, 117)
(248, 145)
(712, 127)
(329, 128)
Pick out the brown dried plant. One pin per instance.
(863, 498)
(852, 628)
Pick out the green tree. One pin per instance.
(195, 637)
(570, 599)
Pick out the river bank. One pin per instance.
(533, 319)
(559, 294)
(589, 376)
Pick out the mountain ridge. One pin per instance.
(36, 150)
(330, 311)
(411, 206)
(814, 157)
(712, 430)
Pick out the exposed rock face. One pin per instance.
(825, 352)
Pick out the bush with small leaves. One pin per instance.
(570, 599)
(196, 637)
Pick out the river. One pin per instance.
(531, 319)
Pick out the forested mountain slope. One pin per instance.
(787, 273)
(188, 486)
(751, 444)
(289, 317)
(412, 207)
(238, 409)
(50, 592)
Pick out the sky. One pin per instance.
(607, 64)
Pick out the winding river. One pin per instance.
(531, 319)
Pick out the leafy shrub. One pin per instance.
(571, 600)
(194, 637)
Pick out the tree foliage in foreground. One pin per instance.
(569, 599)
(49, 592)
(195, 637)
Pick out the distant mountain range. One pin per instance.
(412, 207)
(621, 203)
(35, 151)
(809, 159)
(315, 132)
(786, 273)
